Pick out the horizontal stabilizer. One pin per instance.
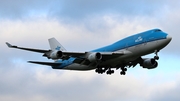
(46, 63)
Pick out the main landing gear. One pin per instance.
(100, 70)
(108, 71)
(103, 70)
(123, 72)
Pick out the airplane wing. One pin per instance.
(110, 55)
(81, 57)
(28, 49)
(45, 63)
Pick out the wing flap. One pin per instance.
(111, 55)
(83, 54)
(81, 57)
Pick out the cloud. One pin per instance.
(78, 9)
(20, 9)
(166, 92)
(33, 82)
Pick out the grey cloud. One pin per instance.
(80, 8)
(77, 9)
(19, 9)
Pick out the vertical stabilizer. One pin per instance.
(55, 45)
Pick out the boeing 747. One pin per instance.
(121, 55)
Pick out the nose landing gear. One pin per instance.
(156, 57)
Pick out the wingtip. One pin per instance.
(31, 61)
(8, 44)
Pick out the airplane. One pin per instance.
(121, 55)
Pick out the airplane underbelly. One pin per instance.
(76, 66)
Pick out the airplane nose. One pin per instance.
(169, 38)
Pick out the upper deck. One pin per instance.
(140, 38)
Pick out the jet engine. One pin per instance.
(94, 57)
(56, 55)
(150, 63)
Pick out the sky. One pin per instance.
(83, 25)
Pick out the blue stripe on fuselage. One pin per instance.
(134, 40)
(64, 63)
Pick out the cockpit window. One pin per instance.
(157, 30)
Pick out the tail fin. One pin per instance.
(55, 45)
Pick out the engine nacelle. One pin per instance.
(150, 63)
(56, 55)
(94, 57)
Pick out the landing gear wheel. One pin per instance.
(125, 69)
(156, 57)
(96, 71)
(123, 73)
(109, 72)
(112, 71)
(99, 70)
